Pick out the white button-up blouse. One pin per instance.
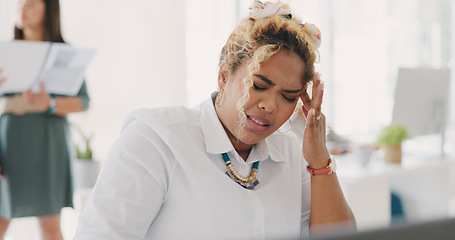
(165, 179)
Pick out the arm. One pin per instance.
(64, 104)
(67, 105)
(130, 189)
(328, 205)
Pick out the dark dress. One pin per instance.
(35, 154)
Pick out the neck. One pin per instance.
(244, 155)
(241, 148)
(33, 34)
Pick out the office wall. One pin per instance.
(159, 53)
(140, 60)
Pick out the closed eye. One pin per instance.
(291, 100)
(256, 87)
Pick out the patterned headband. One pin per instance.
(261, 10)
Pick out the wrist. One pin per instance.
(52, 105)
(318, 161)
(319, 165)
(326, 170)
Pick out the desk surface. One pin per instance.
(349, 166)
(424, 185)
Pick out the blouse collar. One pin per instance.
(217, 140)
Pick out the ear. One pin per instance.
(223, 75)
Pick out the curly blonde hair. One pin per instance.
(254, 41)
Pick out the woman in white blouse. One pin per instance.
(222, 170)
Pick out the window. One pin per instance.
(371, 40)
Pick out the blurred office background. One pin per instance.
(159, 53)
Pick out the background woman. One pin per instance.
(222, 170)
(34, 136)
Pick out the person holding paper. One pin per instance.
(222, 170)
(35, 137)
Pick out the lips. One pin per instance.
(258, 123)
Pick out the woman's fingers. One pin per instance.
(310, 117)
(317, 99)
(33, 99)
(314, 148)
(38, 100)
(28, 96)
(315, 102)
(317, 94)
(306, 100)
(315, 80)
(42, 89)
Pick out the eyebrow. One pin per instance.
(268, 81)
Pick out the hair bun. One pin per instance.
(261, 10)
(314, 32)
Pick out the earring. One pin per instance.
(219, 98)
(287, 129)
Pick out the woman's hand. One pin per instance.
(314, 138)
(39, 101)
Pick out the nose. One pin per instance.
(268, 103)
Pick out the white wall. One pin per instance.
(140, 60)
(7, 16)
(158, 53)
(208, 24)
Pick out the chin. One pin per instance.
(253, 138)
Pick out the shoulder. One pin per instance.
(283, 141)
(163, 120)
(163, 116)
(147, 137)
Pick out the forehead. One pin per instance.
(34, 3)
(285, 68)
(31, 1)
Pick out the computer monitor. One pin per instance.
(441, 229)
(421, 101)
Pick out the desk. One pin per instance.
(425, 187)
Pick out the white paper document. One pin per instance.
(59, 66)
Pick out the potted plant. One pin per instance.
(390, 139)
(85, 168)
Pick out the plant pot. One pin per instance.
(392, 154)
(85, 173)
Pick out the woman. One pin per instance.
(34, 137)
(165, 176)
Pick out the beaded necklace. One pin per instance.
(247, 182)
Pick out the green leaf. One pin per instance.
(393, 134)
(86, 152)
